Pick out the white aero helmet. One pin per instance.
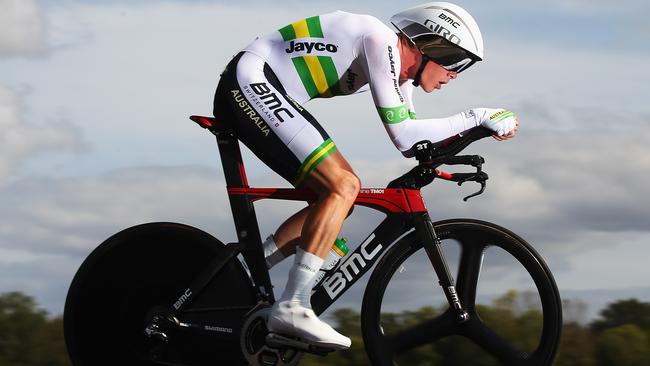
(444, 32)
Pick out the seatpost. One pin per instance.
(231, 159)
(243, 212)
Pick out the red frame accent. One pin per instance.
(444, 175)
(212, 123)
(388, 200)
(206, 122)
(242, 171)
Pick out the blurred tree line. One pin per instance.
(27, 335)
(621, 336)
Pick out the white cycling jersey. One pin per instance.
(342, 53)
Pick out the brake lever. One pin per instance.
(480, 191)
(480, 177)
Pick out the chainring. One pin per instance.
(254, 347)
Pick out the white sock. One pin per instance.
(272, 254)
(301, 278)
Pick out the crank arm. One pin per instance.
(279, 341)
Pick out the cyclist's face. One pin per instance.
(435, 76)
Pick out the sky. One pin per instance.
(94, 135)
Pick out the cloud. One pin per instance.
(21, 28)
(605, 26)
(20, 140)
(139, 68)
(601, 7)
(589, 179)
(575, 80)
(45, 276)
(71, 216)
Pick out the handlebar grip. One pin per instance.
(473, 160)
(426, 151)
(460, 143)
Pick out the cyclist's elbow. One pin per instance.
(409, 153)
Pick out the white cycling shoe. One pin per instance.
(294, 319)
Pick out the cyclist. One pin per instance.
(261, 93)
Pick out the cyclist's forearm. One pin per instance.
(410, 131)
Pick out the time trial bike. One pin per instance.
(170, 294)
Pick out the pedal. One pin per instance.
(161, 327)
(280, 341)
(155, 332)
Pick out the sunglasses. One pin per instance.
(445, 53)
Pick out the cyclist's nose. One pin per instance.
(452, 74)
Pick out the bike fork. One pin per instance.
(433, 248)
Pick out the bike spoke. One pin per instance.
(493, 343)
(469, 271)
(423, 333)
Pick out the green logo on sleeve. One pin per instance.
(393, 115)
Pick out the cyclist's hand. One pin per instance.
(502, 121)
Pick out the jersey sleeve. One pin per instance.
(383, 66)
(394, 102)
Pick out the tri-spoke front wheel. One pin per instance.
(510, 294)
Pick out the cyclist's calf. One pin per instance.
(337, 187)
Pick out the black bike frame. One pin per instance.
(404, 209)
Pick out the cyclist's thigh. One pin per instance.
(274, 126)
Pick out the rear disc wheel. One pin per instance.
(138, 273)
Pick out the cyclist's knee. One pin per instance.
(334, 177)
(348, 186)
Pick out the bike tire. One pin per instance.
(142, 270)
(474, 237)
